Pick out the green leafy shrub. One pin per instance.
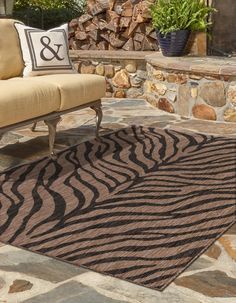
(75, 5)
(46, 13)
(172, 15)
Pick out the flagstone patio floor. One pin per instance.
(26, 277)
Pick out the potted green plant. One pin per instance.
(175, 19)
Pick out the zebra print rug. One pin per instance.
(140, 205)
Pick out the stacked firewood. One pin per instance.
(114, 24)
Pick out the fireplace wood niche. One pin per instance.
(126, 25)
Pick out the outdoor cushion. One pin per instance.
(44, 52)
(21, 100)
(11, 63)
(75, 89)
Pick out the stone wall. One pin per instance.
(202, 88)
(193, 87)
(125, 72)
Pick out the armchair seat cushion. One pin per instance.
(75, 89)
(24, 100)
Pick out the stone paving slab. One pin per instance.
(38, 266)
(72, 292)
(214, 128)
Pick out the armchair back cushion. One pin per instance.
(11, 62)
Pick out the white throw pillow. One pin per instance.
(44, 52)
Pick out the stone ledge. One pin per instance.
(197, 65)
(119, 54)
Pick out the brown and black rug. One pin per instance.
(140, 205)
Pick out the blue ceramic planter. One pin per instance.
(173, 44)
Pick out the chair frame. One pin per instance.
(52, 120)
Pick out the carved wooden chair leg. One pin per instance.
(33, 128)
(99, 115)
(52, 127)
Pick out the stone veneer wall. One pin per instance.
(125, 72)
(203, 88)
(199, 87)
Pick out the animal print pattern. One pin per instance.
(140, 205)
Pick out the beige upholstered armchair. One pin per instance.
(28, 100)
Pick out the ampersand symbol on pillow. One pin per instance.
(46, 41)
